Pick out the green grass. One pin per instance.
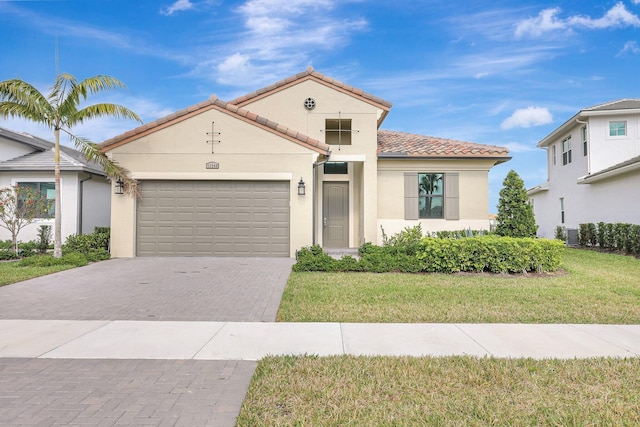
(11, 272)
(451, 391)
(594, 288)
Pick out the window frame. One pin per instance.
(336, 168)
(565, 146)
(428, 198)
(585, 136)
(553, 154)
(562, 218)
(38, 187)
(617, 134)
(338, 131)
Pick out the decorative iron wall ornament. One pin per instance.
(212, 137)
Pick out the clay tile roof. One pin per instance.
(215, 102)
(406, 145)
(310, 72)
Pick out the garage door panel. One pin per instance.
(200, 218)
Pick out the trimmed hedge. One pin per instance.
(613, 237)
(444, 255)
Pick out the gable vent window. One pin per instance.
(338, 131)
(335, 168)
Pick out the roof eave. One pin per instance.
(406, 156)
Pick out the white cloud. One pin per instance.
(631, 47)
(548, 20)
(280, 37)
(178, 6)
(527, 117)
(544, 22)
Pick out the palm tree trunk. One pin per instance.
(57, 241)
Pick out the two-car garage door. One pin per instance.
(213, 218)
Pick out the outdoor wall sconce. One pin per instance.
(119, 186)
(301, 188)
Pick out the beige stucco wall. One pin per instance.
(286, 107)
(474, 194)
(246, 152)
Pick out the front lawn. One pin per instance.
(449, 391)
(12, 272)
(594, 288)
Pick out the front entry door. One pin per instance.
(335, 220)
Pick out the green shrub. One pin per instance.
(561, 233)
(475, 254)
(7, 254)
(44, 239)
(94, 247)
(312, 258)
(406, 241)
(491, 253)
(74, 258)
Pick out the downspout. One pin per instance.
(586, 125)
(80, 194)
(313, 191)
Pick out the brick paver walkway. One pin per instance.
(188, 289)
(103, 392)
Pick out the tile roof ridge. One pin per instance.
(310, 71)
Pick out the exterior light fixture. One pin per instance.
(119, 186)
(301, 187)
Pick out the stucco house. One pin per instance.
(86, 193)
(593, 163)
(299, 162)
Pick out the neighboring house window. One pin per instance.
(562, 210)
(338, 131)
(584, 140)
(47, 191)
(566, 150)
(431, 195)
(335, 168)
(553, 155)
(618, 128)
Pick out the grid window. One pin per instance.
(338, 131)
(566, 150)
(584, 140)
(46, 191)
(618, 128)
(430, 195)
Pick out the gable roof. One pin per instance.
(401, 145)
(42, 159)
(311, 74)
(226, 107)
(619, 106)
(26, 139)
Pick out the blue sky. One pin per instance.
(495, 72)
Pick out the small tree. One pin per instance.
(515, 213)
(19, 207)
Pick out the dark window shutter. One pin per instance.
(411, 195)
(452, 196)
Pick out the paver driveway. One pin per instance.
(104, 392)
(216, 289)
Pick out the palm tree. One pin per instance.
(60, 110)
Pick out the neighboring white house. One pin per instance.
(85, 191)
(299, 162)
(593, 169)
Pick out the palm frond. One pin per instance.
(101, 110)
(115, 171)
(19, 97)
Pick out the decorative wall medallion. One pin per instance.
(213, 165)
(309, 104)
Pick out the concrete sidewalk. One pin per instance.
(250, 341)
